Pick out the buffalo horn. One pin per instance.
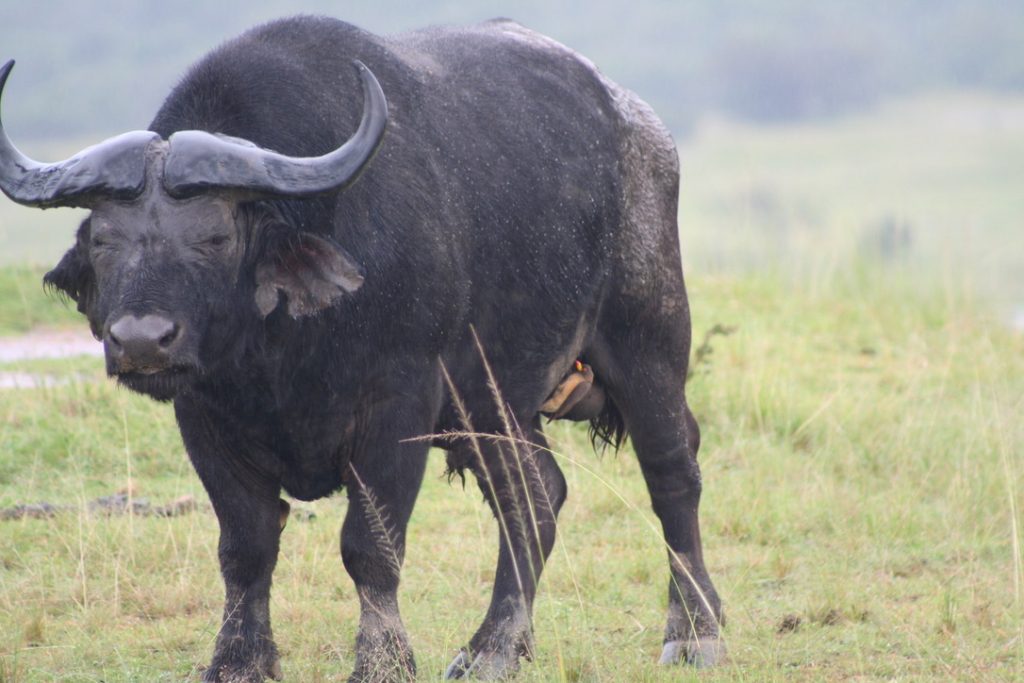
(198, 161)
(114, 169)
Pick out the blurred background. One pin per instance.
(815, 138)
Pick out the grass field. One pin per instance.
(863, 454)
(930, 185)
(863, 476)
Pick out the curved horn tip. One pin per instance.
(372, 89)
(5, 71)
(365, 74)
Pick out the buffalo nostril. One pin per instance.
(171, 336)
(115, 343)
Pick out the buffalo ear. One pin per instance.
(73, 275)
(312, 271)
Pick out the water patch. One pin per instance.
(49, 344)
(30, 380)
(44, 344)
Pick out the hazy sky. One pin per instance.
(102, 67)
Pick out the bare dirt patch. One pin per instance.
(43, 344)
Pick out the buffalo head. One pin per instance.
(178, 251)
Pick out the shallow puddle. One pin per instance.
(49, 344)
(44, 344)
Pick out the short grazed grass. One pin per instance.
(863, 460)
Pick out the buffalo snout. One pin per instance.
(144, 345)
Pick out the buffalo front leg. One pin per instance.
(250, 514)
(525, 489)
(245, 649)
(382, 488)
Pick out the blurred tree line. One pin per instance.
(88, 67)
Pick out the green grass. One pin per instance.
(25, 305)
(862, 457)
(947, 167)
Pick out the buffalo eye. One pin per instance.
(102, 236)
(213, 242)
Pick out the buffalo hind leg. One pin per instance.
(694, 609)
(525, 489)
(666, 438)
(382, 488)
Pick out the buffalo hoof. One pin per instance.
(385, 673)
(388, 670)
(485, 666)
(459, 666)
(227, 673)
(383, 657)
(700, 653)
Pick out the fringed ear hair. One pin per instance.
(313, 272)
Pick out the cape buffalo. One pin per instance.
(315, 295)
